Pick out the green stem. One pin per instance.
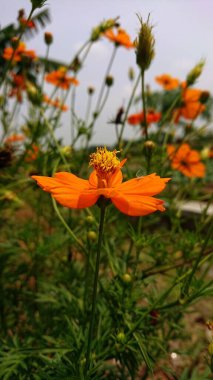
(104, 81)
(127, 109)
(144, 104)
(95, 286)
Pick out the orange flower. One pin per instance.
(122, 38)
(186, 160)
(18, 86)
(191, 106)
(138, 118)
(167, 82)
(32, 153)
(60, 79)
(18, 53)
(133, 197)
(27, 23)
(14, 138)
(55, 103)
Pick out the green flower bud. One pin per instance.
(144, 45)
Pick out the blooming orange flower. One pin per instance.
(14, 138)
(191, 106)
(18, 53)
(186, 160)
(60, 79)
(122, 38)
(133, 197)
(138, 118)
(55, 103)
(167, 82)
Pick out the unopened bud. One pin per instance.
(195, 73)
(145, 45)
(131, 74)
(210, 348)
(92, 236)
(121, 337)
(48, 38)
(90, 220)
(109, 80)
(91, 90)
(204, 97)
(150, 145)
(127, 278)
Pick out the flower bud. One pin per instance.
(131, 74)
(127, 278)
(195, 73)
(109, 81)
(144, 45)
(204, 154)
(210, 348)
(90, 90)
(48, 38)
(204, 97)
(102, 28)
(121, 337)
(90, 220)
(150, 145)
(92, 236)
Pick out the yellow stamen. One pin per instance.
(104, 162)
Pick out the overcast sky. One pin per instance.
(183, 32)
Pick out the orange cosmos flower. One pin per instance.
(60, 79)
(191, 106)
(186, 160)
(18, 53)
(14, 138)
(138, 118)
(167, 82)
(121, 39)
(133, 197)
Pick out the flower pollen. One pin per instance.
(104, 162)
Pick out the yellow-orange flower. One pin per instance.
(18, 53)
(121, 38)
(133, 197)
(191, 106)
(186, 160)
(167, 82)
(138, 118)
(60, 78)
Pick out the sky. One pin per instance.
(183, 32)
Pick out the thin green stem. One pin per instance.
(104, 81)
(66, 225)
(127, 109)
(144, 103)
(95, 286)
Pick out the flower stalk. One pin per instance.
(102, 204)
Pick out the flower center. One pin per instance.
(105, 163)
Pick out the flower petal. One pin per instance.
(146, 186)
(69, 190)
(140, 206)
